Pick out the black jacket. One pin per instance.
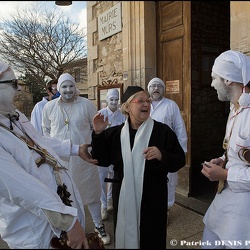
(106, 148)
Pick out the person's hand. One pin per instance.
(218, 161)
(76, 237)
(50, 95)
(99, 124)
(85, 155)
(152, 153)
(214, 172)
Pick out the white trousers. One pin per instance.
(95, 211)
(106, 187)
(172, 182)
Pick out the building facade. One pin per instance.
(130, 42)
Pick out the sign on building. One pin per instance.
(110, 22)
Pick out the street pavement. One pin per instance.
(184, 229)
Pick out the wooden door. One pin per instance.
(174, 64)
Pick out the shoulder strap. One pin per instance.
(28, 142)
(45, 156)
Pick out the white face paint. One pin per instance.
(8, 91)
(68, 91)
(113, 103)
(156, 91)
(223, 90)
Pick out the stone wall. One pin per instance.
(240, 26)
(104, 57)
(127, 57)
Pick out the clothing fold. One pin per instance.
(128, 224)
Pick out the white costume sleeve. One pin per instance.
(25, 190)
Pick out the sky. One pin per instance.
(77, 10)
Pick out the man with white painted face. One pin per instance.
(167, 111)
(70, 117)
(115, 117)
(226, 222)
(33, 209)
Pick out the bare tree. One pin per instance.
(38, 41)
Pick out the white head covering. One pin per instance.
(6, 73)
(233, 66)
(112, 93)
(3, 67)
(156, 80)
(65, 77)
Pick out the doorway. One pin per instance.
(190, 35)
(210, 36)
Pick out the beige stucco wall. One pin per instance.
(240, 26)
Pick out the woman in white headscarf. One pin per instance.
(142, 151)
(227, 219)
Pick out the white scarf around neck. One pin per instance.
(128, 218)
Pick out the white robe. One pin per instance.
(26, 189)
(36, 115)
(168, 112)
(228, 215)
(78, 131)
